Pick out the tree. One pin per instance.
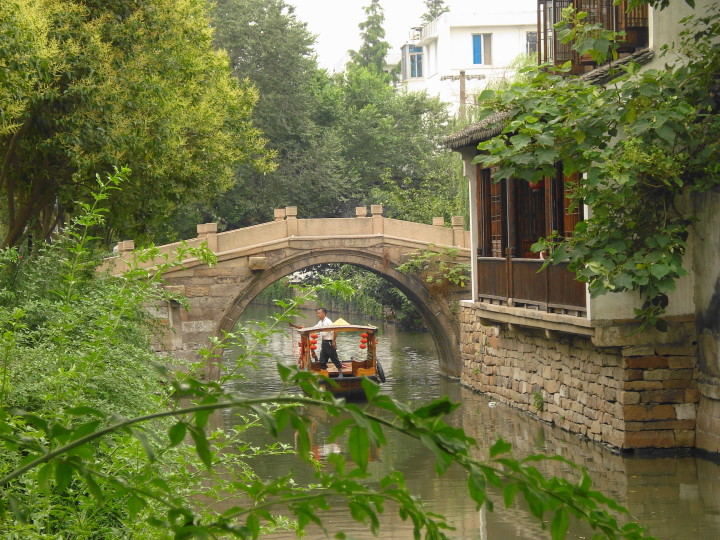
(374, 48)
(340, 140)
(268, 46)
(93, 85)
(434, 8)
(393, 141)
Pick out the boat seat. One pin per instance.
(365, 372)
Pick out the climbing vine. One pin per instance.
(639, 143)
(437, 266)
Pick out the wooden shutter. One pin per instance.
(571, 217)
(498, 218)
(531, 217)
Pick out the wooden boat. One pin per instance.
(357, 364)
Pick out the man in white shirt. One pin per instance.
(328, 347)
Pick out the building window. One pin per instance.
(513, 213)
(531, 42)
(412, 62)
(416, 61)
(482, 49)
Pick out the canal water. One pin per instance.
(677, 497)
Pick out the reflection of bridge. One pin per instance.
(250, 259)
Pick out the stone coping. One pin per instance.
(555, 322)
(709, 386)
(603, 332)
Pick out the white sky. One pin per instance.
(335, 23)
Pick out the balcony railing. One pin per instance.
(518, 282)
(429, 32)
(633, 22)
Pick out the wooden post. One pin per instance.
(509, 275)
(511, 214)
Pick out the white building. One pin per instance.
(481, 44)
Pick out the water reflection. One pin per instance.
(677, 497)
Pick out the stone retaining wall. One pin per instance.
(628, 397)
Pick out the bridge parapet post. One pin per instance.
(279, 214)
(291, 220)
(458, 225)
(361, 211)
(377, 217)
(438, 221)
(125, 247)
(208, 233)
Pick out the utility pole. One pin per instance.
(462, 110)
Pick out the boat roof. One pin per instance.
(338, 328)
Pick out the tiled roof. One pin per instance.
(493, 125)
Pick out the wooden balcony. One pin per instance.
(520, 283)
(633, 22)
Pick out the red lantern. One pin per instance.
(313, 341)
(364, 334)
(363, 340)
(314, 336)
(362, 345)
(313, 347)
(537, 186)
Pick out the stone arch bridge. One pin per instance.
(251, 258)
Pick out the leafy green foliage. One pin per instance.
(268, 46)
(96, 85)
(437, 266)
(373, 296)
(374, 48)
(640, 142)
(434, 8)
(341, 141)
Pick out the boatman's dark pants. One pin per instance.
(327, 351)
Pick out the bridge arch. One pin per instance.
(251, 258)
(435, 311)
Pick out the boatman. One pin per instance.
(328, 347)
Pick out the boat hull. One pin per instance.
(348, 387)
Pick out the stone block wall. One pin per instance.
(628, 396)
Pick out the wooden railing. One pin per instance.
(633, 22)
(518, 282)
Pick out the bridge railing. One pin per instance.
(287, 225)
(248, 236)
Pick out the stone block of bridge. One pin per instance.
(126, 246)
(458, 225)
(291, 214)
(376, 210)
